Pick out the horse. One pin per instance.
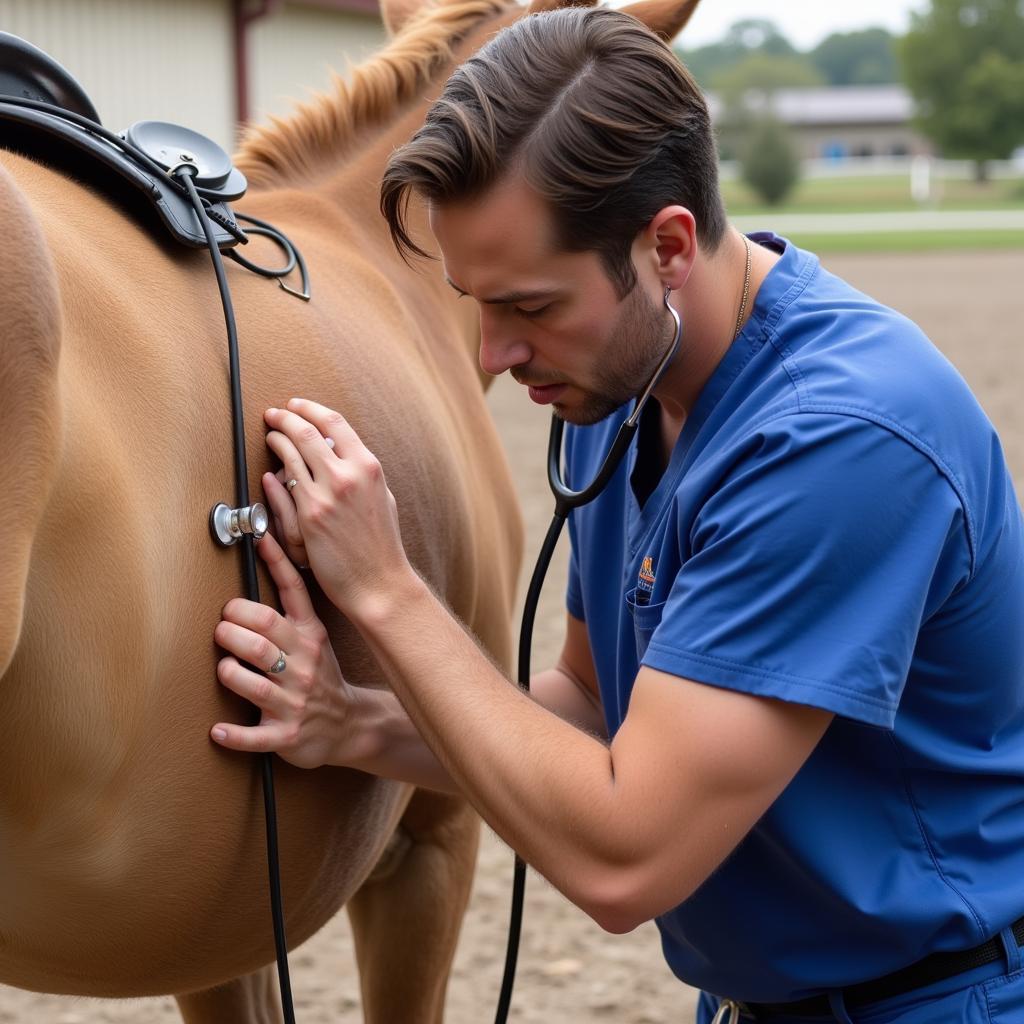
(132, 858)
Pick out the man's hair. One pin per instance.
(593, 111)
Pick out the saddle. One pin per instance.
(47, 116)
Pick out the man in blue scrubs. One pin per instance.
(788, 722)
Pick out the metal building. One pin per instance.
(206, 64)
(833, 122)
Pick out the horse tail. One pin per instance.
(29, 404)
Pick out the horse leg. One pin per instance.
(252, 999)
(406, 916)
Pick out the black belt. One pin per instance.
(933, 968)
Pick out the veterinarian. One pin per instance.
(788, 720)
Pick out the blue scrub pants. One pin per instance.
(986, 995)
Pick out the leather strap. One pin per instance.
(933, 968)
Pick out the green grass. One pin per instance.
(910, 241)
(877, 194)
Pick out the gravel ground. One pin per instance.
(971, 306)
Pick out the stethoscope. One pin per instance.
(565, 501)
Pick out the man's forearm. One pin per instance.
(392, 747)
(545, 786)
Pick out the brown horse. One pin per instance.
(131, 849)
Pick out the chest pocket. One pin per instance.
(645, 620)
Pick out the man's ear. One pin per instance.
(670, 241)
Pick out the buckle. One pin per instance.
(729, 1006)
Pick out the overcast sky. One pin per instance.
(804, 22)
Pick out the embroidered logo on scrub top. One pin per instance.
(645, 580)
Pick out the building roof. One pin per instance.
(829, 105)
(371, 7)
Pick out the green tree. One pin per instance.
(746, 90)
(867, 57)
(770, 165)
(750, 36)
(963, 61)
(758, 35)
(765, 74)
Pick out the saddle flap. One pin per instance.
(29, 73)
(46, 115)
(91, 160)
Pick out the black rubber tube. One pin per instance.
(515, 924)
(252, 586)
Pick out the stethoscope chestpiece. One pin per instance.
(230, 525)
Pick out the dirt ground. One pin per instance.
(971, 304)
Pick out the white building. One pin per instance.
(834, 122)
(201, 63)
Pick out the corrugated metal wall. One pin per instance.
(139, 59)
(173, 60)
(294, 51)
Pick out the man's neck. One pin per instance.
(708, 305)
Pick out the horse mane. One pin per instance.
(297, 147)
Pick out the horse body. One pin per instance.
(133, 858)
(132, 850)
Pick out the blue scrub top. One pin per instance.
(836, 527)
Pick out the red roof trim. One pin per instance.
(370, 7)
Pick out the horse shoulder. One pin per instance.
(29, 411)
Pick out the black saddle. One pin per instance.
(46, 115)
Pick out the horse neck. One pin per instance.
(344, 174)
(383, 100)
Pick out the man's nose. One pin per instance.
(501, 342)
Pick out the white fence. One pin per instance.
(887, 166)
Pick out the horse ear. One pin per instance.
(397, 13)
(665, 18)
(540, 6)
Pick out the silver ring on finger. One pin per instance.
(330, 442)
(292, 484)
(278, 665)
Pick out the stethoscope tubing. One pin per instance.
(519, 870)
(566, 500)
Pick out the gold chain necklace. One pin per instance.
(746, 292)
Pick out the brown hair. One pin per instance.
(594, 111)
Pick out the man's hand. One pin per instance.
(345, 514)
(308, 709)
(286, 521)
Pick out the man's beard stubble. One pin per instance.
(633, 352)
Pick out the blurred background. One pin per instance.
(905, 115)
(887, 136)
(895, 126)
